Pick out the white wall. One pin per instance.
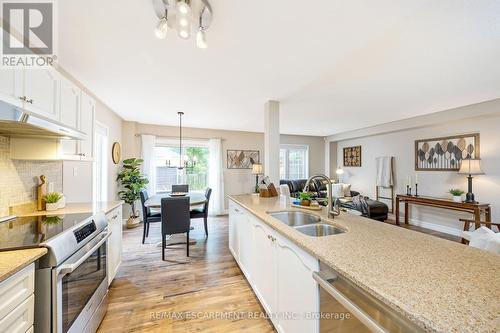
(236, 181)
(400, 144)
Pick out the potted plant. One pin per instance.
(132, 183)
(305, 199)
(52, 201)
(457, 194)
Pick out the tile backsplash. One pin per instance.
(18, 178)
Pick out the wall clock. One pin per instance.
(116, 152)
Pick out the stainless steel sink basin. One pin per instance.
(296, 218)
(319, 230)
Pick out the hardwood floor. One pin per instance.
(148, 292)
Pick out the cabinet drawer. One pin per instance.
(114, 215)
(21, 319)
(16, 289)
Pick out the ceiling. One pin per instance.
(334, 65)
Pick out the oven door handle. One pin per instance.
(69, 268)
(351, 307)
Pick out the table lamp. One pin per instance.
(339, 172)
(257, 170)
(470, 167)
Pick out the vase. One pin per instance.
(51, 206)
(457, 198)
(305, 202)
(133, 222)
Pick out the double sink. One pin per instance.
(308, 224)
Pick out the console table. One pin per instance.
(477, 209)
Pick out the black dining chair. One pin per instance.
(147, 215)
(180, 188)
(198, 213)
(174, 220)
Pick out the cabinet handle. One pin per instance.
(268, 236)
(237, 210)
(29, 100)
(22, 98)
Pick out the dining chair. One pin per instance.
(174, 220)
(180, 188)
(148, 216)
(198, 213)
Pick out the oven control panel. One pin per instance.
(85, 231)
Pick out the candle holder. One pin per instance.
(408, 190)
(416, 190)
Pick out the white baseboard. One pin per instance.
(435, 227)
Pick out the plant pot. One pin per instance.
(305, 203)
(457, 198)
(133, 222)
(51, 206)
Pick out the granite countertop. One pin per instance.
(12, 262)
(71, 208)
(440, 285)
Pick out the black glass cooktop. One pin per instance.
(31, 231)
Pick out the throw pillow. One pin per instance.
(347, 190)
(338, 190)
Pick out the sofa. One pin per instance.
(377, 210)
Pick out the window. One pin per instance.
(294, 162)
(196, 177)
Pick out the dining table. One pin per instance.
(195, 199)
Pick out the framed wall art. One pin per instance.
(242, 159)
(352, 156)
(445, 153)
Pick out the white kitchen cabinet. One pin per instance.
(115, 226)
(296, 287)
(69, 111)
(87, 114)
(234, 244)
(11, 89)
(17, 301)
(264, 264)
(41, 89)
(279, 271)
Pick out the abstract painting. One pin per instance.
(242, 159)
(352, 156)
(446, 153)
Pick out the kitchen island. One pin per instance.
(439, 285)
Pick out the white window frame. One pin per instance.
(287, 147)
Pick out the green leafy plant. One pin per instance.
(131, 181)
(49, 220)
(456, 192)
(52, 197)
(304, 196)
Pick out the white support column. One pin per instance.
(327, 167)
(272, 141)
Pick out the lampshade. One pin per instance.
(257, 169)
(471, 167)
(339, 171)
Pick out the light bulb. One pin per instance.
(184, 34)
(183, 22)
(201, 40)
(161, 28)
(183, 7)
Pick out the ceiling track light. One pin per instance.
(162, 27)
(185, 17)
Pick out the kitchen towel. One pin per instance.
(384, 171)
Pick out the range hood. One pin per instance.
(16, 122)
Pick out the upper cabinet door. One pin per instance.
(11, 86)
(69, 105)
(87, 114)
(41, 88)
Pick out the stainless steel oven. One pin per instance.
(80, 285)
(72, 287)
(345, 307)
